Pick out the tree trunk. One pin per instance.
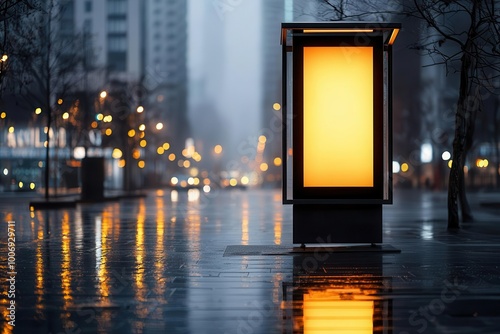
(464, 131)
(464, 123)
(48, 105)
(464, 203)
(47, 155)
(454, 180)
(473, 104)
(496, 141)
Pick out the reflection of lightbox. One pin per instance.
(340, 294)
(324, 311)
(337, 138)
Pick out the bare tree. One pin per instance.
(343, 10)
(465, 37)
(43, 68)
(10, 12)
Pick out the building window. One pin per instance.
(117, 42)
(117, 7)
(88, 6)
(117, 61)
(87, 26)
(117, 25)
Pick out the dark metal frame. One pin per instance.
(386, 31)
(301, 192)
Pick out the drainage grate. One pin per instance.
(244, 250)
(248, 250)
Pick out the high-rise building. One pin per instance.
(143, 43)
(273, 13)
(165, 65)
(206, 77)
(113, 36)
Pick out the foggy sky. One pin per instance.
(225, 72)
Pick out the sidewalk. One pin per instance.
(161, 264)
(69, 199)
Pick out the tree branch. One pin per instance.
(425, 14)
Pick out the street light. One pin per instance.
(117, 153)
(3, 60)
(218, 149)
(337, 138)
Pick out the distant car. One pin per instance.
(181, 181)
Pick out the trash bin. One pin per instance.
(92, 176)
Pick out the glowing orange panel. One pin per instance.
(338, 116)
(336, 30)
(324, 314)
(393, 36)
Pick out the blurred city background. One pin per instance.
(187, 94)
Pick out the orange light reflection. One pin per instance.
(39, 270)
(326, 312)
(102, 270)
(66, 267)
(140, 291)
(278, 218)
(244, 223)
(160, 258)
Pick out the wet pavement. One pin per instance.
(161, 264)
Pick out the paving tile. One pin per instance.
(148, 265)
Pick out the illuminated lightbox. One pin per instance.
(337, 116)
(338, 142)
